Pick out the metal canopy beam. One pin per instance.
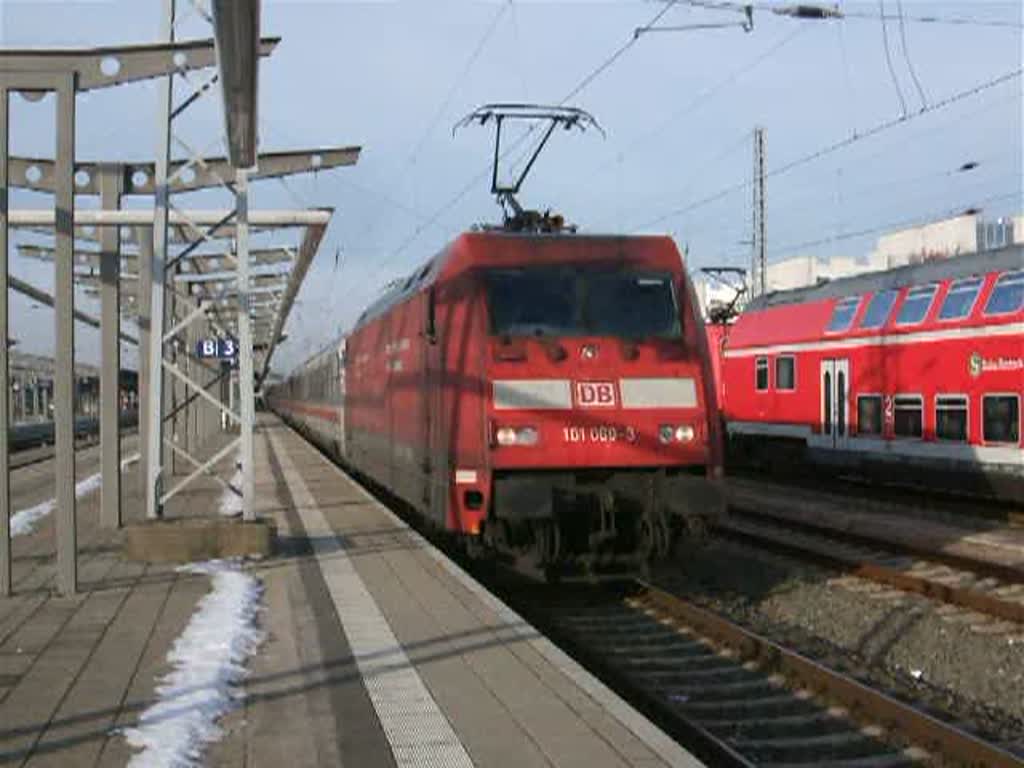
(116, 65)
(139, 178)
(38, 294)
(236, 28)
(308, 249)
(212, 277)
(313, 217)
(83, 257)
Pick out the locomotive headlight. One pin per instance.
(517, 436)
(681, 433)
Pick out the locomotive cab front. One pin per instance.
(600, 449)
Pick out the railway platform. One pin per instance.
(376, 649)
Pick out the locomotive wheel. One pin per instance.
(655, 539)
(648, 541)
(547, 542)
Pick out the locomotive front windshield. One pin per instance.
(565, 301)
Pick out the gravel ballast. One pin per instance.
(938, 658)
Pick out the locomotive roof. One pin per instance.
(403, 287)
(1011, 257)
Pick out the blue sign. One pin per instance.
(221, 349)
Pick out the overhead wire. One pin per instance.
(888, 59)
(839, 145)
(445, 104)
(725, 5)
(706, 95)
(906, 54)
(475, 180)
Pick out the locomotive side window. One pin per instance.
(1001, 418)
(960, 299)
(785, 372)
(878, 309)
(1008, 295)
(916, 305)
(909, 416)
(843, 314)
(761, 374)
(869, 415)
(951, 417)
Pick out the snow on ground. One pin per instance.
(24, 521)
(208, 661)
(231, 502)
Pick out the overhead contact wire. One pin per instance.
(841, 144)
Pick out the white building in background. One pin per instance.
(936, 240)
(942, 239)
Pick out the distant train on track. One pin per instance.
(914, 374)
(546, 394)
(33, 434)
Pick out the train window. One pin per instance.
(960, 299)
(785, 372)
(761, 374)
(630, 305)
(843, 314)
(909, 416)
(951, 417)
(869, 415)
(878, 309)
(1008, 295)
(916, 305)
(1001, 418)
(541, 301)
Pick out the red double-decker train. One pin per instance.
(547, 394)
(914, 373)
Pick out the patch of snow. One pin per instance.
(24, 521)
(208, 661)
(230, 501)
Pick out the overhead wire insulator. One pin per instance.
(809, 11)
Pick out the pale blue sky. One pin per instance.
(678, 108)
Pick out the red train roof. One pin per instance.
(803, 314)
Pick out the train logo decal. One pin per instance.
(978, 365)
(974, 365)
(595, 394)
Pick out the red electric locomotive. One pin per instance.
(916, 373)
(549, 394)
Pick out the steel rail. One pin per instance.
(974, 599)
(864, 704)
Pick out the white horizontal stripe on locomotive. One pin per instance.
(556, 394)
(947, 334)
(658, 393)
(1006, 455)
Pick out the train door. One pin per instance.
(835, 402)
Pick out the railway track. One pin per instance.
(975, 585)
(738, 699)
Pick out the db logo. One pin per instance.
(595, 394)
